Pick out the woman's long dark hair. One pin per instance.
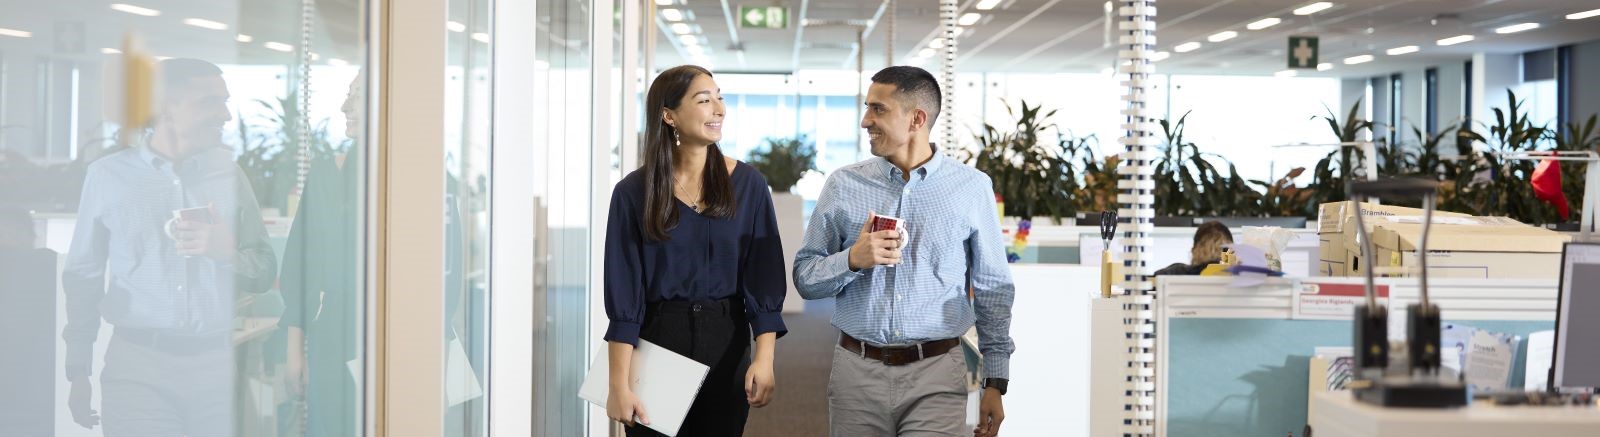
(660, 205)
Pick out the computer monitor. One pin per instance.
(1576, 363)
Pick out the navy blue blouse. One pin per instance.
(705, 259)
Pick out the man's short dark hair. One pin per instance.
(915, 85)
(177, 72)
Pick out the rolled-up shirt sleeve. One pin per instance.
(762, 280)
(624, 272)
(822, 266)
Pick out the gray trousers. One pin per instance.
(927, 398)
(151, 393)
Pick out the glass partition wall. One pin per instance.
(183, 191)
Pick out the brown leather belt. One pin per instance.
(897, 355)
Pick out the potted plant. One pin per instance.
(783, 162)
(1033, 179)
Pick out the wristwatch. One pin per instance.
(997, 384)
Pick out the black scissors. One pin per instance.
(1108, 227)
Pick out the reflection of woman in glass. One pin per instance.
(693, 262)
(320, 270)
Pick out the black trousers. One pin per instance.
(716, 334)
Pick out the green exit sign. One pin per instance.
(763, 17)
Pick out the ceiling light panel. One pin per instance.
(1263, 23)
(1456, 40)
(135, 10)
(1313, 8)
(1401, 50)
(1517, 28)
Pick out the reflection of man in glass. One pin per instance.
(320, 271)
(166, 233)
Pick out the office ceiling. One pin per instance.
(1043, 36)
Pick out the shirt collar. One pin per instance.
(148, 156)
(927, 168)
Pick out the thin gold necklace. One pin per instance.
(694, 204)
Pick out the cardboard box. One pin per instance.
(1470, 247)
(1338, 244)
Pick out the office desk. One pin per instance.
(1337, 414)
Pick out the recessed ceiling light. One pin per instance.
(969, 18)
(15, 33)
(455, 26)
(1325, 66)
(689, 40)
(960, 30)
(1160, 56)
(925, 53)
(1517, 28)
(682, 28)
(1286, 73)
(1263, 23)
(205, 24)
(135, 10)
(695, 50)
(1187, 47)
(274, 45)
(672, 14)
(937, 43)
(1353, 60)
(480, 37)
(984, 5)
(337, 62)
(244, 38)
(663, 2)
(1456, 40)
(1583, 15)
(110, 51)
(1401, 50)
(1313, 8)
(1222, 36)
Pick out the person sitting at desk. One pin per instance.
(1207, 250)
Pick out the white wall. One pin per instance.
(1492, 74)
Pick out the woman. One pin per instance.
(693, 263)
(1207, 250)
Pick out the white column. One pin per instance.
(1136, 28)
(512, 263)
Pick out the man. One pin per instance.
(176, 225)
(903, 295)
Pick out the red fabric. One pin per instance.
(1547, 186)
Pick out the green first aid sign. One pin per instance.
(1302, 52)
(763, 17)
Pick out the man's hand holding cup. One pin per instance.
(879, 243)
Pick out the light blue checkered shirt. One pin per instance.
(954, 241)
